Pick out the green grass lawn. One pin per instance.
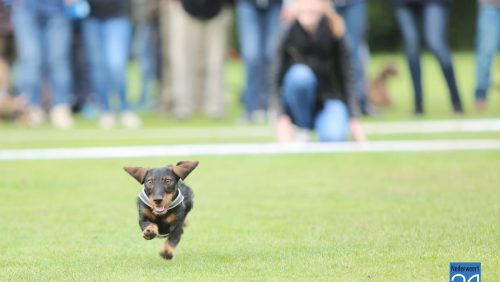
(345, 217)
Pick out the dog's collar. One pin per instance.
(144, 198)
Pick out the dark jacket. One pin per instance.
(105, 9)
(327, 56)
(204, 9)
(263, 4)
(5, 25)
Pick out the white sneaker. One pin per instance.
(259, 116)
(130, 120)
(36, 116)
(60, 117)
(303, 135)
(107, 121)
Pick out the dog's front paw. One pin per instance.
(166, 255)
(150, 232)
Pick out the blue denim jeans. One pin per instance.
(258, 31)
(299, 95)
(435, 20)
(146, 56)
(43, 45)
(354, 16)
(487, 44)
(107, 43)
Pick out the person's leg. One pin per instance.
(84, 100)
(29, 49)
(180, 59)
(216, 47)
(92, 32)
(250, 40)
(354, 16)
(196, 42)
(406, 17)
(435, 16)
(57, 37)
(332, 122)
(269, 31)
(116, 36)
(145, 46)
(487, 42)
(299, 95)
(165, 43)
(4, 66)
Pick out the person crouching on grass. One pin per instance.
(315, 76)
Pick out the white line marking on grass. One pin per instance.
(240, 131)
(444, 126)
(245, 149)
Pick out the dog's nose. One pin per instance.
(158, 200)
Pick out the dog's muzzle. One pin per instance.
(161, 210)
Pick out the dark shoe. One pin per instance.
(458, 109)
(418, 111)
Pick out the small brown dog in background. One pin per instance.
(378, 93)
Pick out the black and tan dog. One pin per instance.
(164, 202)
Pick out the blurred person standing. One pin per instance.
(107, 34)
(487, 44)
(43, 38)
(83, 100)
(6, 49)
(434, 17)
(198, 31)
(258, 26)
(354, 14)
(165, 103)
(145, 49)
(315, 77)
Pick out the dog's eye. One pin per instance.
(149, 182)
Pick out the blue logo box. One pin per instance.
(465, 272)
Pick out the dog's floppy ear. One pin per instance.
(184, 168)
(137, 172)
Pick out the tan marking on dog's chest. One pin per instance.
(149, 214)
(171, 218)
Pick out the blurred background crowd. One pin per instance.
(61, 57)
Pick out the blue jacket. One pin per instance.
(43, 7)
